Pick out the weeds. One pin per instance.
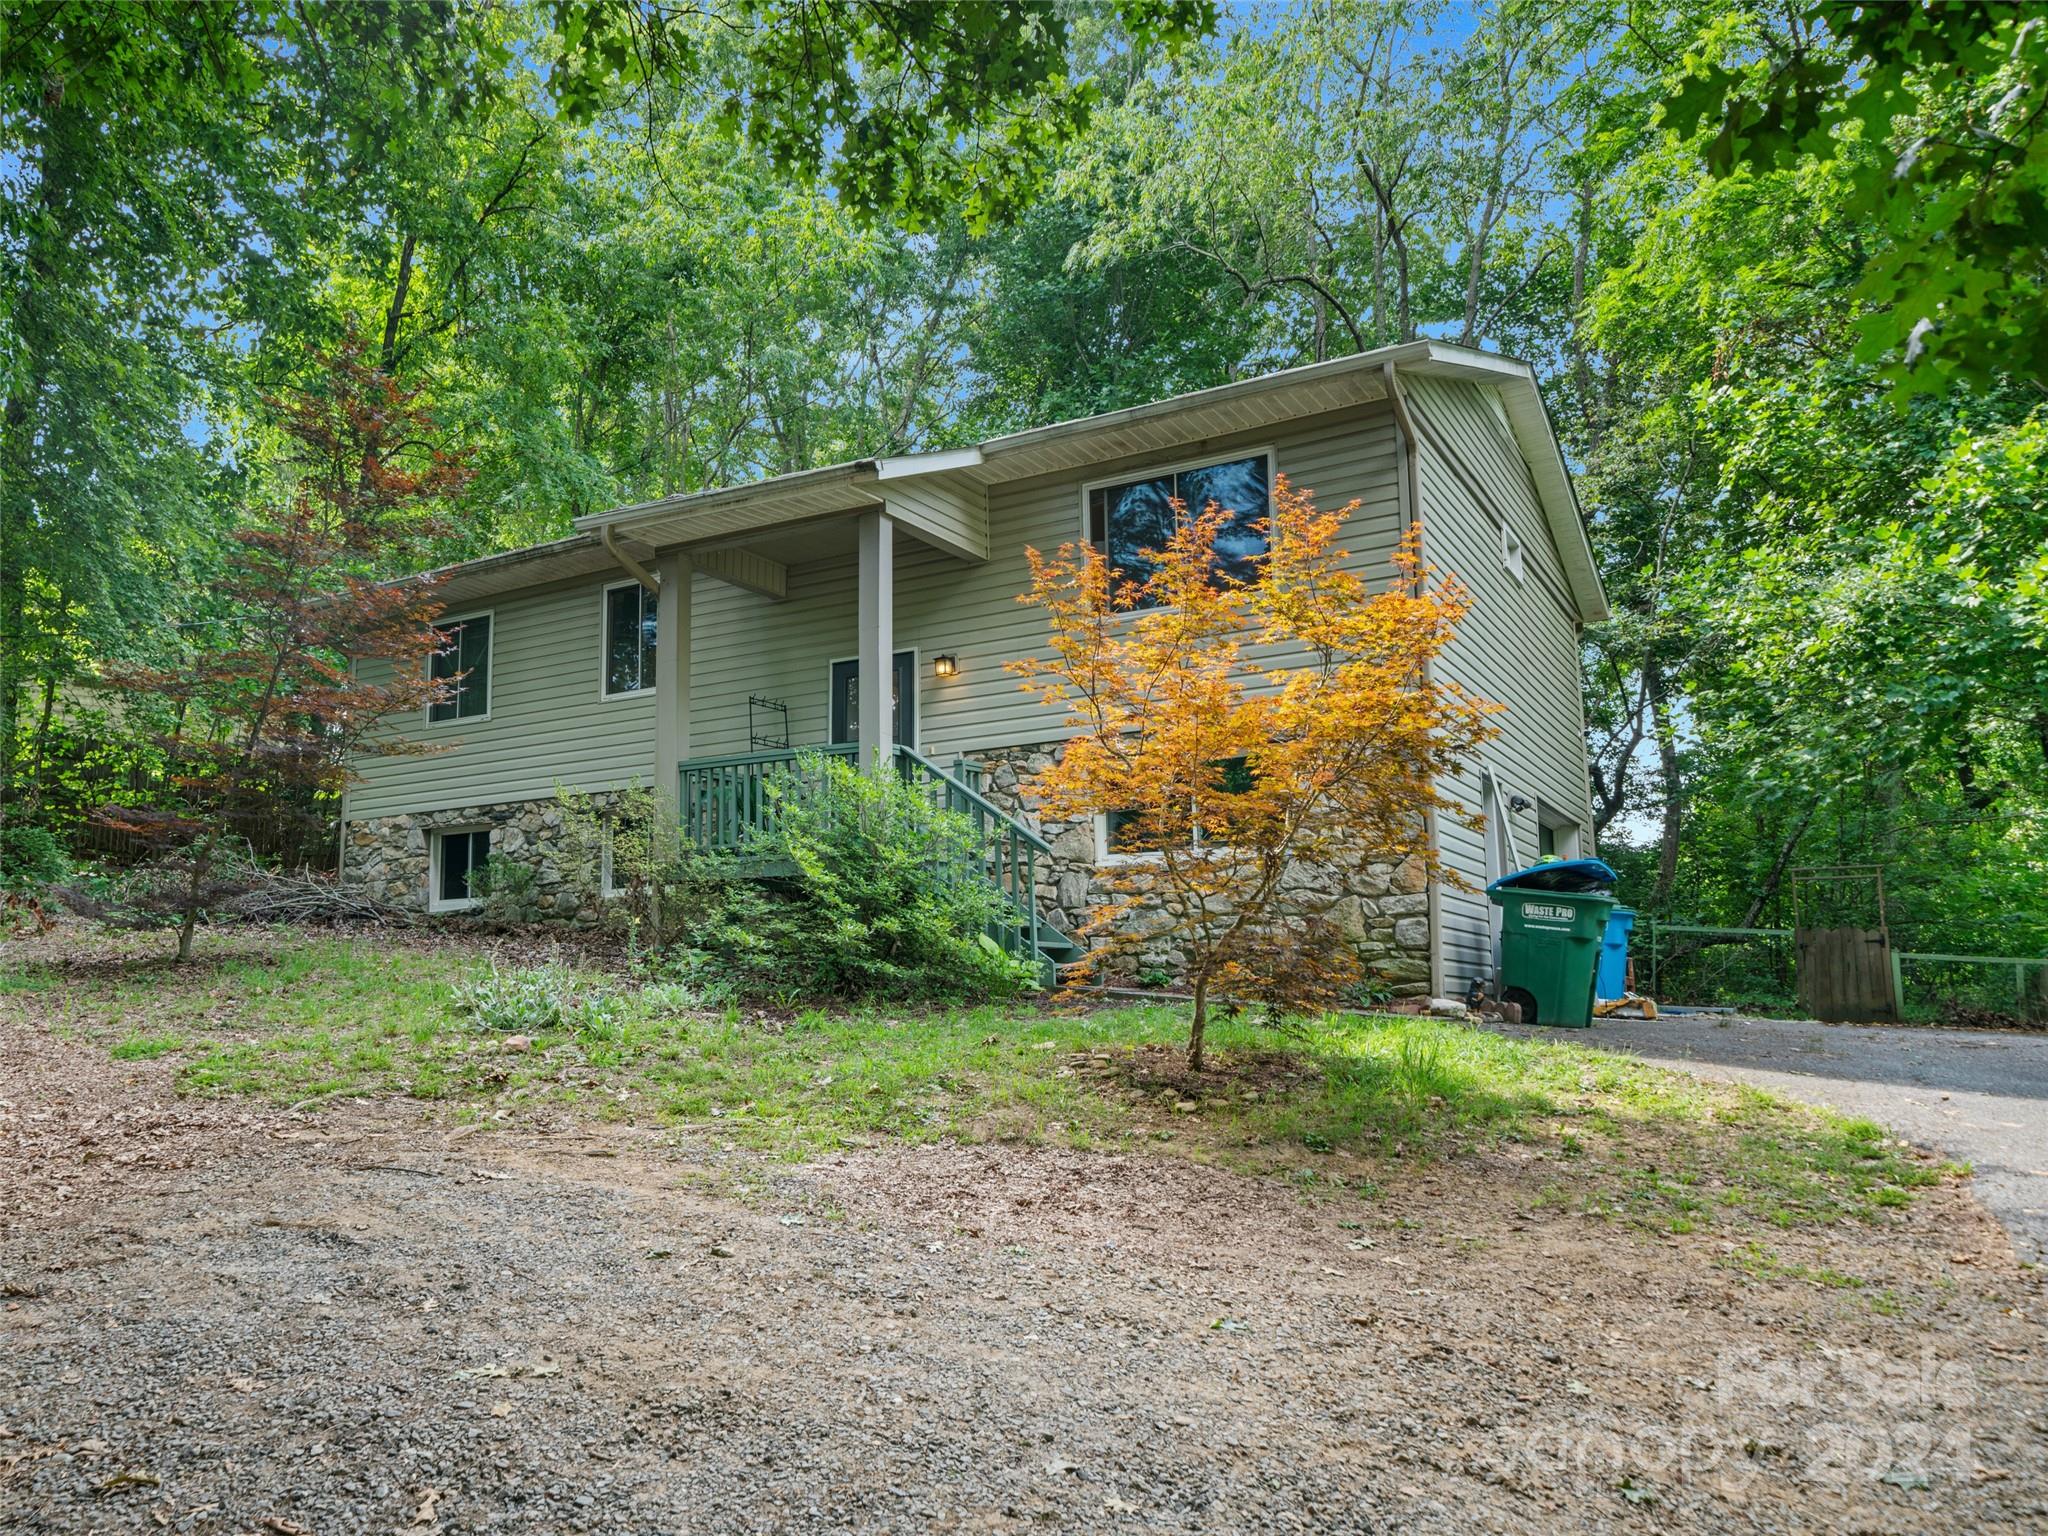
(1629, 1143)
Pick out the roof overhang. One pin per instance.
(704, 517)
(942, 496)
(518, 570)
(1536, 437)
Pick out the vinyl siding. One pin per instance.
(547, 725)
(744, 644)
(1519, 647)
(957, 518)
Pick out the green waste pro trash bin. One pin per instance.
(1550, 938)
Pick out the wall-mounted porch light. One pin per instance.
(945, 664)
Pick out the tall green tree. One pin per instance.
(1939, 115)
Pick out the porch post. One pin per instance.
(877, 649)
(672, 676)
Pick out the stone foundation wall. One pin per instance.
(1383, 908)
(390, 857)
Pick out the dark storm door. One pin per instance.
(846, 700)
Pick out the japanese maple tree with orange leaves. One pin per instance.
(1258, 739)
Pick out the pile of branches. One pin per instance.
(307, 896)
(231, 886)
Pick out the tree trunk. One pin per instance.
(1406, 310)
(1475, 266)
(37, 329)
(41, 747)
(1582, 369)
(394, 315)
(1776, 875)
(199, 864)
(1200, 1024)
(1674, 793)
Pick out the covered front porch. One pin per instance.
(848, 521)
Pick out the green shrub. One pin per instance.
(874, 895)
(30, 858)
(507, 889)
(620, 855)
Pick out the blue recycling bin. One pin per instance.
(1611, 980)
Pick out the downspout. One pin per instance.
(1409, 494)
(632, 567)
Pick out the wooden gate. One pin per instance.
(1845, 971)
(1845, 975)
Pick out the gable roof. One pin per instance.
(1243, 404)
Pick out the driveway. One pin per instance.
(1975, 1095)
(219, 1318)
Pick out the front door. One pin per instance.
(846, 700)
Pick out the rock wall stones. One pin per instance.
(390, 856)
(1383, 908)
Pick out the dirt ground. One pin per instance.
(225, 1319)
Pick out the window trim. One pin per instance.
(490, 668)
(916, 742)
(1153, 472)
(1559, 824)
(1108, 857)
(607, 889)
(604, 605)
(435, 901)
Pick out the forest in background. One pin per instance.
(1780, 269)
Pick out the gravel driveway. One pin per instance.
(240, 1322)
(1978, 1096)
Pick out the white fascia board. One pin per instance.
(905, 465)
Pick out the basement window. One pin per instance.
(1117, 835)
(613, 880)
(458, 854)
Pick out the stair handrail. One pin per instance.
(972, 797)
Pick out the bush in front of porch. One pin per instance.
(855, 886)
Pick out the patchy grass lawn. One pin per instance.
(1331, 1104)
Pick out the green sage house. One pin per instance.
(694, 643)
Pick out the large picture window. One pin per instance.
(631, 622)
(464, 663)
(1129, 517)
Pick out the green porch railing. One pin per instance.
(1005, 849)
(2029, 982)
(726, 804)
(725, 800)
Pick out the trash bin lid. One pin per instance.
(1580, 875)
